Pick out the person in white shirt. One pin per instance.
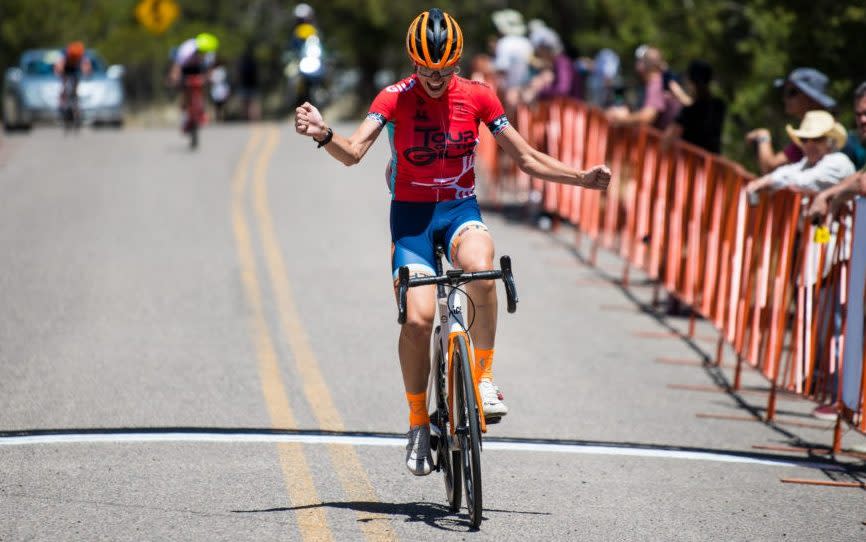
(513, 55)
(823, 164)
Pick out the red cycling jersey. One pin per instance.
(433, 140)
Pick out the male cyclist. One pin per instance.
(432, 118)
(194, 57)
(71, 65)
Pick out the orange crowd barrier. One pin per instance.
(776, 296)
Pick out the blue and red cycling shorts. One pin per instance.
(417, 227)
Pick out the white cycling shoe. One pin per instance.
(491, 400)
(419, 460)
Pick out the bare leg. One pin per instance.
(414, 345)
(475, 253)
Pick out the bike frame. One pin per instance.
(450, 335)
(451, 326)
(451, 317)
(193, 88)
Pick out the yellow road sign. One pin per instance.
(157, 15)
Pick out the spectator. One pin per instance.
(603, 78)
(803, 90)
(219, 88)
(823, 165)
(481, 68)
(659, 107)
(557, 76)
(857, 138)
(248, 84)
(513, 53)
(701, 122)
(832, 199)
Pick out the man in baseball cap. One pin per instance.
(803, 90)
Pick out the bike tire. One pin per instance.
(470, 436)
(193, 136)
(447, 459)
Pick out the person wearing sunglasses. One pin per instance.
(832, 199)
(820, 138)
(805, 89)
(432, 118)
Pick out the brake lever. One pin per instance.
(508, 280)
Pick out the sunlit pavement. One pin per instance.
(202, 345)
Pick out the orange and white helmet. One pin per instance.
(75, 50)
(434, 40)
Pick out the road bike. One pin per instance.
(458, 420)
(193, 88)
(70, 114)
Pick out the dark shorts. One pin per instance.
(417, 227)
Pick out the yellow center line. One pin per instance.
(353, 477)
(311, 519)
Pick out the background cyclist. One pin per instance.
(71, 65)
(432, 118)
(194, 56)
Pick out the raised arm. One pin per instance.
(768, 159)
(348, 150)
(538, 164)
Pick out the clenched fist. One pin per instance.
(309, 122)
(596, 178)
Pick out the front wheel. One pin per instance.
(468, 429)
(447, 459)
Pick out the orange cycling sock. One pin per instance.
(484, 364)
(418, 409)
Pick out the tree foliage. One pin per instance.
(749, 42)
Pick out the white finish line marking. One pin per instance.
(380, 441)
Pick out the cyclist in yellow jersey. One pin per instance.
(432, 118)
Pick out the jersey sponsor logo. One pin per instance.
(437, 144)
(453, 183)
(402, 86)
(461, 107)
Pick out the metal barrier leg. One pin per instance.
(771, 402)
(837, 435)
(625, 272)
(738, 369)
(720, 350)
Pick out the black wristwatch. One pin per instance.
(328, 137)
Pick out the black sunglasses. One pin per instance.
(790, 92)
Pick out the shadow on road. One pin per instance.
(432, 514)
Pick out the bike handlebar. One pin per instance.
(456, 277)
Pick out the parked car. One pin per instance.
(31, 91)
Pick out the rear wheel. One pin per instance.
(468, 430)
(193, 135)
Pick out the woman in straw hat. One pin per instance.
(822, 166)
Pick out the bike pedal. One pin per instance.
(492, 421)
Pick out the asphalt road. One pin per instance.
(202, 346)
